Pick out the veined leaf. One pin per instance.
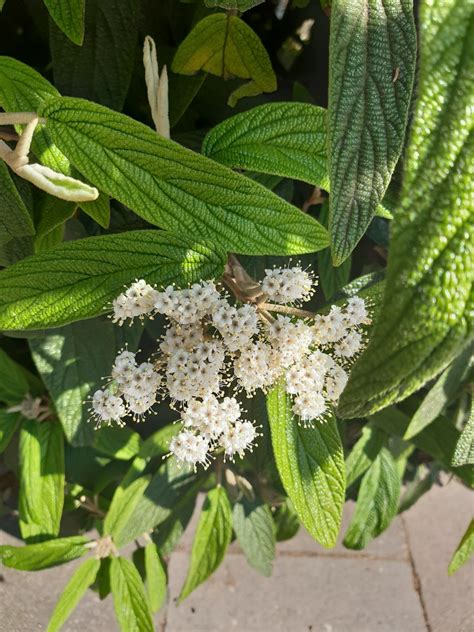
(101, 69)
(286, 521)
(77, 586)
(69, 16)
(123, 504)
(425, 320)
(255, 531)
(224, 45)
(156, 579)
(120, 443)
(13, 380)
(443, 392)
(464, 550)
(9, 422)
(285, 139)
(364, 452)
(213, 535)
(377, 502)
(130, 601)
(372, 66)
(72, 361)
(41, 496)
(174, 188)
(35, 557)
(311, 466)
(240, 5)
(15, 219)
(464, 452)
(170, 531)
(79, 279)
(332, 278)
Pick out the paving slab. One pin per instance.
(307, 594)
(435, 525)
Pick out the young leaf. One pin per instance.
(123, 505)
(9, 422)
(83, 577)
(213, 535)
(311, 466)
(364, 452)
(72, 361)
(13, 381)
(35, 557)
(69, 16)
(156, 579)
(224, 45)
(41, 495)
(425, 320)
(79, 279)
(285, 139)
(464, 550)
(377, 502)
(101, 69)
(15, 219)
(255, 531)
(464, 452)
(372, 66)
(175, 188)
(130, 601)
(443, 392)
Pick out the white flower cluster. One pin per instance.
(212, 345)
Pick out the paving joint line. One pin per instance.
(415, 576)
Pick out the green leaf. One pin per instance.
(171, 530)
(377, 502)
(285, 139)
(364, 452)
(310, 462)
(69, 16)
(372, 66)
(156, 579)
(72, 361)
(422, 483)
(13, 381)
(332, 278)
(224, 45)
(166, 488)
(213, 535)
(79, 279)
(15, 219)
(120, 443)
(255, 531)
(82, 579)
(174, 188)
(286, 521)
(101, 69)
(438, 439)
(443, 392)
(41, 478)
(123, 505)
(35, 557)
(464, 451)
(9, 422)
(158, 443)
(130, 601)
(240, 5)
(464, 550)
(425, 320)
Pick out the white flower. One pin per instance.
(237, 326)
(238, 438)
(356, 311)
(108, 408)
(257, 366)
(137, 300)
(349, 345)
(190, 448)
(287, 285)
(309, 406)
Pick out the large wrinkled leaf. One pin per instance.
(364, 452)
(332, 278)
(213, 535)
(311, 466)
(175, 188)
(73, 361)
(69, 16)
(130, 601)
(80, 279)
(426, 318)
(255, 531)
(443, 392)
(372, 66)
(224, 45)
(464, 550)
(464, 452)
(83, 577)
(41, 478)
(15, 219)
(101, 69)
(240, 5)
(377, 502)
(35, 557)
